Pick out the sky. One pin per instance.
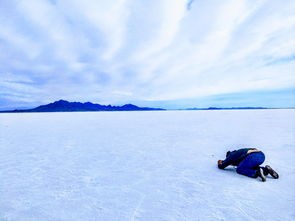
(160, 53)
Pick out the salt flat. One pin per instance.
(149, 166)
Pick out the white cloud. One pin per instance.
(109, 51)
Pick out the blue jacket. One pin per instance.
(235, 157)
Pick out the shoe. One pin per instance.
(261, 175)
(265, 171)
(273, 173)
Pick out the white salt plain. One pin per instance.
(116, 166)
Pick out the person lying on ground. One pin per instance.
(248, 161)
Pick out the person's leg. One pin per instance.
(250, 164)
(265, 171)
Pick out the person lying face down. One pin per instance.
(248, 161)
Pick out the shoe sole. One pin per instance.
(273, 173)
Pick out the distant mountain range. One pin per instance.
(66, 106)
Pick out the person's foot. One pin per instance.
(265, 171)
(261, 174)
(273, 173)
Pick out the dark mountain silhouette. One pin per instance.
(66, 106)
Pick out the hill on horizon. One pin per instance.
(66, 106)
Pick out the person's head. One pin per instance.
(227, 153)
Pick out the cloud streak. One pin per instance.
(143, 51)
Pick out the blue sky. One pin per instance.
(164, 53)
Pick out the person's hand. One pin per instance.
(219, 162)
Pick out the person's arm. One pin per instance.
(224, 163)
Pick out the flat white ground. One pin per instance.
(116, 166)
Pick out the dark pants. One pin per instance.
(250, 164)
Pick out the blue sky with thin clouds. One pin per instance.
(164, 53)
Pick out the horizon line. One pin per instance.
(15, 110)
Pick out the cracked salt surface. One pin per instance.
(143, 166)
